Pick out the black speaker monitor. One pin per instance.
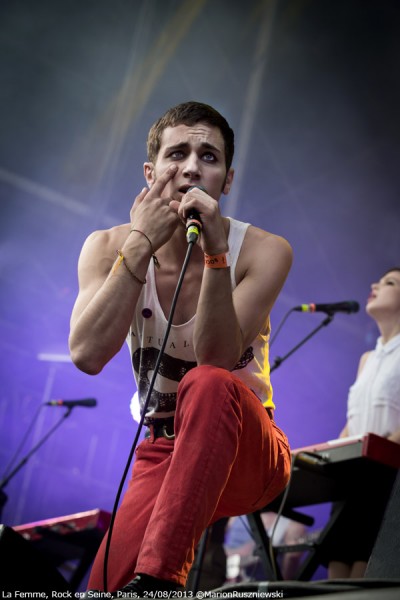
(24, 569)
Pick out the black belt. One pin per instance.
(161, 428)
(165, 427)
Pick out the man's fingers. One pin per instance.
(162, 181)
(142, 195)
(174, 204)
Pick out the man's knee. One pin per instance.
(206, 387)
(205, 375)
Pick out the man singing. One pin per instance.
(212, 448)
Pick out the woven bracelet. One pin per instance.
(155, 259)
(131, 273)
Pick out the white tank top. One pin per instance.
(146, 335)
(374, 399)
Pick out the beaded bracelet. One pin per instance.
(121, 258)
(155, 259)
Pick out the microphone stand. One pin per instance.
(7, 478)
(279, 360)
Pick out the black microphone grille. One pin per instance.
(353, 306)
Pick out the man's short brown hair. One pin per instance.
(190, 113)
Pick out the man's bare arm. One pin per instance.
(226, 322)
(107, 298)
(108, 292)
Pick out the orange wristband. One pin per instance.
(216, 261)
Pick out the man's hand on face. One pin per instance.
(151, 211)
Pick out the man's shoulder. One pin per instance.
(261, 248)
(104, 237)
(255, 236)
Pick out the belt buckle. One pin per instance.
(167, 435)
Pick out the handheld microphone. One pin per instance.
(193, 226)
(88, 402)
(349, 306)
(193, 222)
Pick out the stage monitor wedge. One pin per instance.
(24, 569)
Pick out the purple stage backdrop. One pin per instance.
(312, 91)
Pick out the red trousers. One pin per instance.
(228, 458)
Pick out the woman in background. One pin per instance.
(373, 407)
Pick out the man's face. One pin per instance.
(199, 153)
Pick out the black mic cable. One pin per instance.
(67, 403)
(281, 324)
(9, 476)
(21, 444)
(272, 555)
(144, 410)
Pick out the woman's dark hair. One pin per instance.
(390, 270)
